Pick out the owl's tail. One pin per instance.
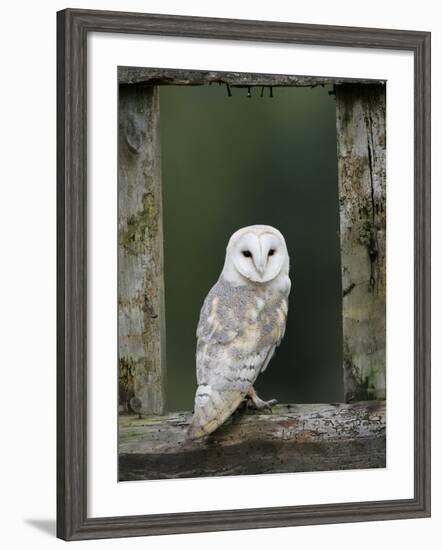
(212, 409)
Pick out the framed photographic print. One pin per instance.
(243, 274)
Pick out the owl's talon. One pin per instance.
(266, 404)
(255, 402)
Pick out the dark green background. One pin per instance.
(228, 162)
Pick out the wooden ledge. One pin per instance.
(186, 77)
(293, 438)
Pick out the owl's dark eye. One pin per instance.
(271, 251)
(247, 253)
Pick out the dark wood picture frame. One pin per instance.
(73, 27)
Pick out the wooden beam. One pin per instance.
(360, 121)
(186, 77)
(293, 438)
(141, 319)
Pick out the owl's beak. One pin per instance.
(260, 266)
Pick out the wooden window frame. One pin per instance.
(304, 438)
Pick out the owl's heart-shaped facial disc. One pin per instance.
(257, 253)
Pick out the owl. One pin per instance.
(241, 323)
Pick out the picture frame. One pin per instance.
(73, 27)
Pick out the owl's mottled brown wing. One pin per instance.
(236, 339)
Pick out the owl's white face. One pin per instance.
(258, 253)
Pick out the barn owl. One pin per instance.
(241, 322)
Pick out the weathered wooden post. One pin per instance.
(360, 119)
(141, 318)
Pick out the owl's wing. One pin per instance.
(278, 331)
(229, 359)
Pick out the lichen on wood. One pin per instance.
(361, 137)
(140, 253)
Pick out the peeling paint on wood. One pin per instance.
(361, 136)
(293, 438)
(140, 253)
